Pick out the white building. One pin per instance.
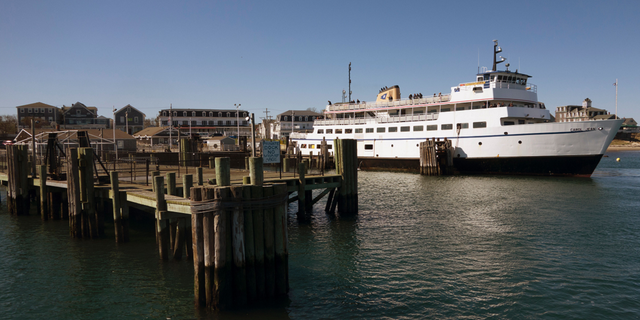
(293, 121)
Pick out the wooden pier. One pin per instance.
(238, 240)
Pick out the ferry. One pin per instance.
(495, 123)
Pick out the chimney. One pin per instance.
(586, 103)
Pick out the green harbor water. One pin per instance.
(471, 247)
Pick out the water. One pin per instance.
(471, 247)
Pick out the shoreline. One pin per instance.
(623, 148)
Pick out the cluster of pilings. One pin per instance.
(436, 157)
(240, 247)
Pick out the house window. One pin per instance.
(210, 114)
(135, 119)
(418, 128)
(358, 130)
(228, 114)
(30, 110)
(164, 123)
(121, 119)
(41, 110)
(447, 126)
(405, 129)
(220, 122)
(380, 130)
(228, 122)
(164, 113)
(194, 123)
(184, 113)
(185, 123)
(50, 110)
(210, 123)
(21, 110)
(50, 119)
(193, 113)
(78, 112)
(482, 124)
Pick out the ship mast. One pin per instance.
(496, 50)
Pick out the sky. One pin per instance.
(294, 55)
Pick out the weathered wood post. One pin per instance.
(199, 172)
(222, 273)
(250, 252)
(87, 194)
(269, 250)
(256, 171)
(76, 228)
(198, 250)
(223, 171)
(302, 183)
(120, 209)
(18, 191)
(346, 158)
(238, 245)
(281, 246)
(257, 192)
(212, 163)
(42, 174)
(171, 183)
(162, 228)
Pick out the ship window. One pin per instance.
(369, 130)
(338, 131)
(520, 121)
(447, 126)
(320, 131)
(329, 130)
(348, 130)
(482, 124)
(358, 130)
(432, 127)
(445, 109)
(405, 129)
(368, 147)
(329, 147)
(508, 123)
(493, 78)
(312, 146)
(393, 129)
(499, 78)
(462, 126)
(304, 146)
(418, 128)
(380, 130)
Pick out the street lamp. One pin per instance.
(238, 124)
(115, 144)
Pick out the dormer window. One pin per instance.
(164, 113)
(193, 113)
(210, 114)
(184, 113)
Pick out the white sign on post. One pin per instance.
(271, 152)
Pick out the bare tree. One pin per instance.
(8, 124)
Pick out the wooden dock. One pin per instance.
(238, 218)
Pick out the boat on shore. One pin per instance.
(495, 123)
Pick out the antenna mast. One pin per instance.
(349, 81)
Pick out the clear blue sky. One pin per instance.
(281, 55)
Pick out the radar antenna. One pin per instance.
(496, 50)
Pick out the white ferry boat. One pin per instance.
(496, 125)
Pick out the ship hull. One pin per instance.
(580, 166)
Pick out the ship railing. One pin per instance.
(383, 104)
(411, 118)
(333, 122)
